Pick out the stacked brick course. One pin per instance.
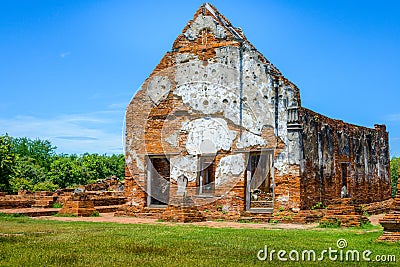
(309, 216)
(27, 199)
(41, 203)
(78, 205)
(391, 221)
(182, 209)
(344, 212)
(378, 207)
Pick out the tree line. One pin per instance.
(34, 165)
(394, 173)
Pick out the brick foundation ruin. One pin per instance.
(391, 221)
(344, 212)
(26, 199)
(181, 209)
(78, 205)
(106, 195)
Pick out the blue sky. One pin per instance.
(69, 68)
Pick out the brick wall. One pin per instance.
(333, 149)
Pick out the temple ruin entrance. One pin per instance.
(158, 181)
(260, 182)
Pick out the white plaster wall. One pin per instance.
(228, 166)
(186, 165)
(215, 88)
(205, 22)
(158, 88)
(248, 139)
(208, 135)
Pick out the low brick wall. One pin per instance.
(24, 199)
(345, 213)
(45, 199)
(377, 207)
(78, 205)
(391, 221)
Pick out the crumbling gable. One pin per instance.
(217, 122)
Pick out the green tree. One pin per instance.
(40, 152)
(34, 165)
(94, 167)
(7, 161)
(394, 173)
(45, 186)
(65, 171)
(116, 165)
(17, 184)
(27, 168)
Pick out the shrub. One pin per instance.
(20, 184)
(366, 225)
(318, 206)
(57, 205)
(95, 214)
(45, 186)
(330, 224)
(12, 215)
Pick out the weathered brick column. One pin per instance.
(78, 205)
(182, 209)
(391, 221)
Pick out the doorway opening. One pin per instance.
(158, 181)
(260, 182)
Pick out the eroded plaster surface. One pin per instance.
(204, 22)
(158, 88)
(215, 88)
(172, 139)
(133, 158)
(186, 165)
(228, 166)
(248, 139)
(208, 135)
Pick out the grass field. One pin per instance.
(28, 242)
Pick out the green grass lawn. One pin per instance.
(28, 242)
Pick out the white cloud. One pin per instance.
(65, 54)
(98, 132)
(393, 117)
(121, 105)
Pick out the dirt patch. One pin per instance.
(374, 219)
(109, 217)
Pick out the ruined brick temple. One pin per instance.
(218, 128)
